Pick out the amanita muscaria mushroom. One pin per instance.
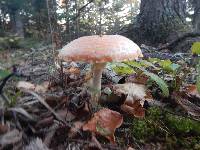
(99, 50)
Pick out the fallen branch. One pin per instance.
(179, 39)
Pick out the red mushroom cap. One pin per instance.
(98, 49)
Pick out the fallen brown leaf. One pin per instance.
(139, 79)
(104, 123)
(191, 90)
(134, 109)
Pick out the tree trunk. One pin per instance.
(196, 16)
(158, 19)
(77, 20)
(17, 24)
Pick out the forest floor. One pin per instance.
(45, 105)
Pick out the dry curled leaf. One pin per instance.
(134, 109)
(139, 79)
(191, 90)
(104, 123)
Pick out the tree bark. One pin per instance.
(196, 16)
(17, 23)
(158, 19)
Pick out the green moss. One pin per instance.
(147, 128)
(170, 130)
(182, 125)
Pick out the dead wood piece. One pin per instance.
(172, 44)
(191, 108)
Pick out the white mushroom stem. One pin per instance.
(97, 70)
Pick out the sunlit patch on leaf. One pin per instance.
(102, 130)
(122, 69)
(168, 66)
(146, 63)
(154, 60)
(196, 48)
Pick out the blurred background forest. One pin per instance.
(151, 22)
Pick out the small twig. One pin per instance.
(50, 135)
(42, 101)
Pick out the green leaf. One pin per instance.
(196, 48)
(165, 63)
(134, 64)
(4, 73)
(154, 60)
(121, 68)
(146, 63)
(168, 66)
(160, 82)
